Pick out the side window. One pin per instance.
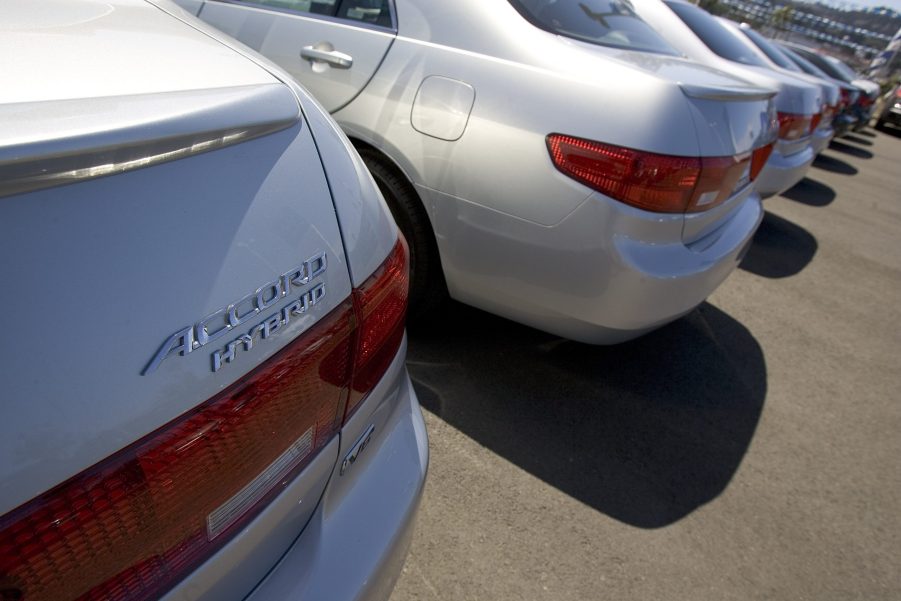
(318, 7)
(374, 12)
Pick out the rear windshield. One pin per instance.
(603, 22)
(715, 35)
(823, 64)
(842, 68)
(806, 65)
(773, 53)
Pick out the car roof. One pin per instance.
(55, 44)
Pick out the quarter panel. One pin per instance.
(501, 161)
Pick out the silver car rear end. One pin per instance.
(197, 255)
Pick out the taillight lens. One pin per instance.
(815, 122)
(793, 127)
(846, 98)
(649, 181)
(759, 159)
(137, 523)
(381, 309)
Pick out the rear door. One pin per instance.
(332, 47)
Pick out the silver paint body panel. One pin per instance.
(107, 267)
(516, 236)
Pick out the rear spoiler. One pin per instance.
(728, 94)
(61, 142)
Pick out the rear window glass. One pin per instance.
(603, 22)
(823, 64)
(773, 53)
(842, 68)
(806, 65)
(715, 35)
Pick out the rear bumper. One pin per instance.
(605, 274)
(820, 139)
(355, 544)
(781, 172)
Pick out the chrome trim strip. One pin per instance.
(20, 176)
(726, 94)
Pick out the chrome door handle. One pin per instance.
(324, 52)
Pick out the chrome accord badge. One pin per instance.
(224, 320)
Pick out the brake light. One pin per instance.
(815, 122)
(845, 99)
(381, 308)
(649, 181)
(133, 525)
(792, 126)
(759, 159)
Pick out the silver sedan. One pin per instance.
(702, 37)
(551, 162)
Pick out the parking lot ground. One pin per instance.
(751, 450)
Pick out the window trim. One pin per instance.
(256, 4)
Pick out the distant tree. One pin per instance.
(712, 6)
(780, 18)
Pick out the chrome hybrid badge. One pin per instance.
(228, 318)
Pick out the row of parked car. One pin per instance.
(212, 403)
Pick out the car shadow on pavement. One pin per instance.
(811, 192)
(851, 150)
(888, 130)
(830, 163)
(780, 249)
(856, 140)
(645, 432)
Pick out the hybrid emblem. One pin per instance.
(238, 313)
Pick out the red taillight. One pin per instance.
(793, 127)
(135, 524)
(815, 122)
(653, 182)
(846, 98)
(759, 159)
(381, 308)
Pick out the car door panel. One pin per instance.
(332, 56)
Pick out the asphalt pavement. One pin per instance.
(751, 450)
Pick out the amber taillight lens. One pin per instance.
(815, 122)
(759, 159)
(135, 524)
(794, 127)
(649, 181)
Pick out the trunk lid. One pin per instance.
(139, 213)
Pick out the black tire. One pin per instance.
(428, 290)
